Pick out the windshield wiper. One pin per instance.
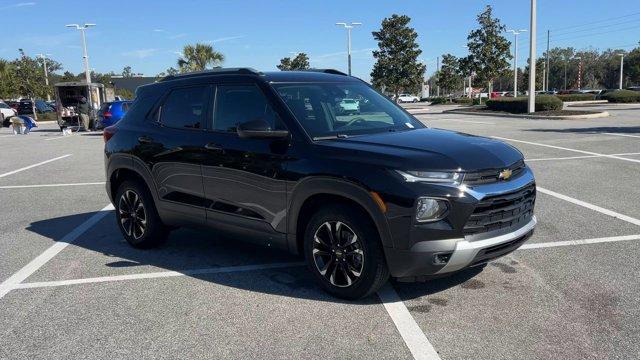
(329, 137)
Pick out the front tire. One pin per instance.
(138, 219)
(343, 251)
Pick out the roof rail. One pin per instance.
(215, 71)
(328, 71)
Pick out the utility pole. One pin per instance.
(437, 76)
(566, 60)
(621, 67)
(532, 59)
(547, 67)
(349, 27)
(579, 72)
(515, 59)
(46, 73)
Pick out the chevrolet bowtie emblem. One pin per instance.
(505, 174)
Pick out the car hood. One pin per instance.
(424, 149)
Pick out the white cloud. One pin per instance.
(177, 36)
(140, 53)
(228, 38)
(18, 5)
(158, 30)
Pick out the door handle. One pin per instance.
(213, 147)
(144, 139)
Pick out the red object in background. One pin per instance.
(106, 114)
(495, 94)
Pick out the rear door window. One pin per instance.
(185, 108)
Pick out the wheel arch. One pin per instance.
(123, 167)
(313, 192)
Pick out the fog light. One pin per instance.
(430, 209)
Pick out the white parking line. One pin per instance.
(465, 121)
(579, 242)
(35, 264)
(626, 135)
(60, 137)
(34, 165)
(50, 185)
(599, 209)
(159, 274)
(567, 149)
(413, 336)
(578, 157)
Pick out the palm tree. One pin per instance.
(198, 57)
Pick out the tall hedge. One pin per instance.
(519, 105)
(576, 97)
(622, 96)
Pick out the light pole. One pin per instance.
(85, 56)
(515, 59)
(579, 71)
(621, 67)
(532, 59)
(46, 74)
(349, 27)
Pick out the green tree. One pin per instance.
(299, 62)
(30, 78)
(449, 75)
(126, 72)
(125, 93)
(397, 68)
(632, 66)
(199, 57)
(68, 76)
(488, 49)
(8, 88)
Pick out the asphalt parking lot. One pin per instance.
(70, 287)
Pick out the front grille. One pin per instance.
(502, 211)
(492, 175)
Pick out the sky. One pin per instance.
(148, 35)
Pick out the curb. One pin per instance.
(528, 116)
(586, 102)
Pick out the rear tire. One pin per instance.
(137, 217)
(344, 253)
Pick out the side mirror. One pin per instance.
(259, 129)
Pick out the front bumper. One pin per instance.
(421, 261)
(423, 250)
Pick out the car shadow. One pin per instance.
(593, 130)
(190, 249)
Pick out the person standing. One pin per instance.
(84, 112)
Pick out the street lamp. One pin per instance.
(621, 67)
(349, 27)
(515, 60)
(82, 29)
(46, 74)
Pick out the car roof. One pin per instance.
(312, 75)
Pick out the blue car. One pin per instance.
(111, 112)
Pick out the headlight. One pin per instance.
(430, 209)
(453, 178)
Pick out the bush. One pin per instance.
(622, 96)
(438, 100)
(577, 97)
(463, 100)
(519, 105)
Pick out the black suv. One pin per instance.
(363, 192)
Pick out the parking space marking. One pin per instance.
(567, 149)
(465, 121)
(158, 274)
(599, 209)
(35, 264)
(579, 157)
(34, 165)
(579, 242)
(413, 336)
(51, 185)
(59, 137)
(626, 135)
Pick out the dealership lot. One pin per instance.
(72, 288)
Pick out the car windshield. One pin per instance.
(329, 110)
